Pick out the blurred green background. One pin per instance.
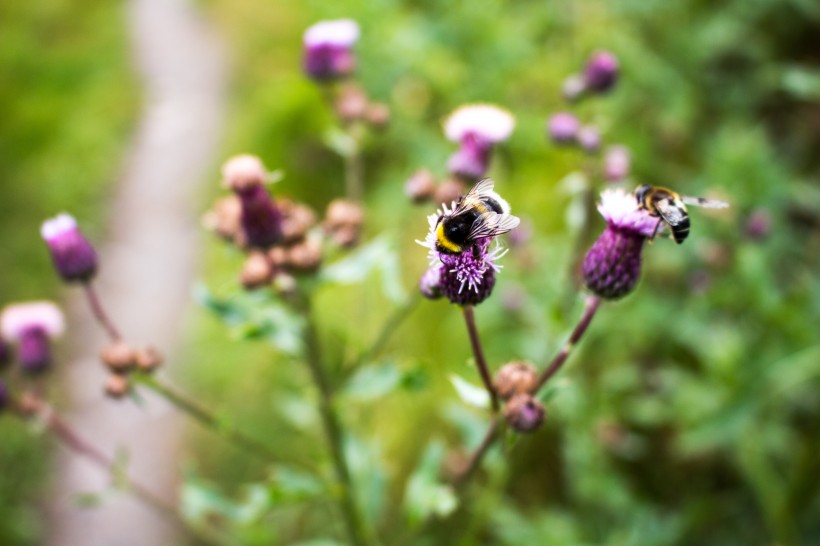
(690, 412)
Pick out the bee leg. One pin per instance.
(655, 231)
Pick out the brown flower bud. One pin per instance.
(29, 403)
(515, 378)
(223, 218)
(117, 386)
(305, 256)
(449, 190)
(297, 219)
(346, 236)
(421, 186)
(278, 257)
(243, 172)
(148, 359)
(257, 271)
(342, 212)
(378, 115)
(524, 413)
(118, 357)
(351, 105)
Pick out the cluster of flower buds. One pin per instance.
(352, 105)
(422, 187)
(564, 129)
(515, 383)
(476, 128)
(32, 326)
(120, 359)
(278, 236)
(599, 76)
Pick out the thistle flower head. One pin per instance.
(563, 127)
(259, 218)
(476, 127)
(32, 325)
(612, 266)
(328, 51)
(73, 256)
(468, 277)
(524, 413)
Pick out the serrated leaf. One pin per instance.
(371, 382)
(469, 393)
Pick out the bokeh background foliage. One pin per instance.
(689, 414)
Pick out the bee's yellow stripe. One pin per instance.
(444, 241)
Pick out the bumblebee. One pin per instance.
(479, 214)
(671, 208)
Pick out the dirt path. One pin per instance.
(146, 275)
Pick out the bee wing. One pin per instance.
(672, 214)
(492, 224)
(703, 202)
(483, 188)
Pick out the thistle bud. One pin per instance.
(616, 163)
(563, 127)
(589, 139)
(378, 115)
(421, 186)
(223, 218)
(148, 359)
(305, 256)
(515, 378)
(32, 325)
(430, 284)
(297, 219)
(601, 72)
(524, 413)
(758, 225)
(118, 357)
(73, 256)
(343, 221)
(449, 190)
(117, 386)
(351, 104)
(256, 271)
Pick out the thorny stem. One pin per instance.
(76, 443)
(480, 362)
(333, 433)
(99, 312)
(592, 304)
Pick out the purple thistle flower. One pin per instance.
(328, 53)
(589, 138)
(477, 128)
(601, 72)
(32, 325)
(466, 278)
(563, 128)
(73, 256)
(260, 219)
(612, 266)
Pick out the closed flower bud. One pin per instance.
(351, 104)
(601, 72)
(378, 115)
(524, 413)
(343, 221)
(612, 266)
(297, 219)
(515, 378)
(616, 163)
(117, 386)
(421, 186)
(73, 256)
(118, 357)
(148, 359)
(223, 218)
(328, 53)
(589, 139)
(305, 256)
(32, 326)
(563, 127)
(256, 271)
(449, 190)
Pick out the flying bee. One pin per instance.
(671, 208)
(479, 214)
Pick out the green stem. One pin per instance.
(354, 522)
(480, 362)
(205, 417)
(354, 169)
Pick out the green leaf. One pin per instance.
(425, 495)
(371, 382)
(288, 485)
(88, 500)
(376, 256)
(469, 393)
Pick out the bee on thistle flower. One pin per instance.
(462, 263)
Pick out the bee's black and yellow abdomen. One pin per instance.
(453, 232)
(681, 230)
